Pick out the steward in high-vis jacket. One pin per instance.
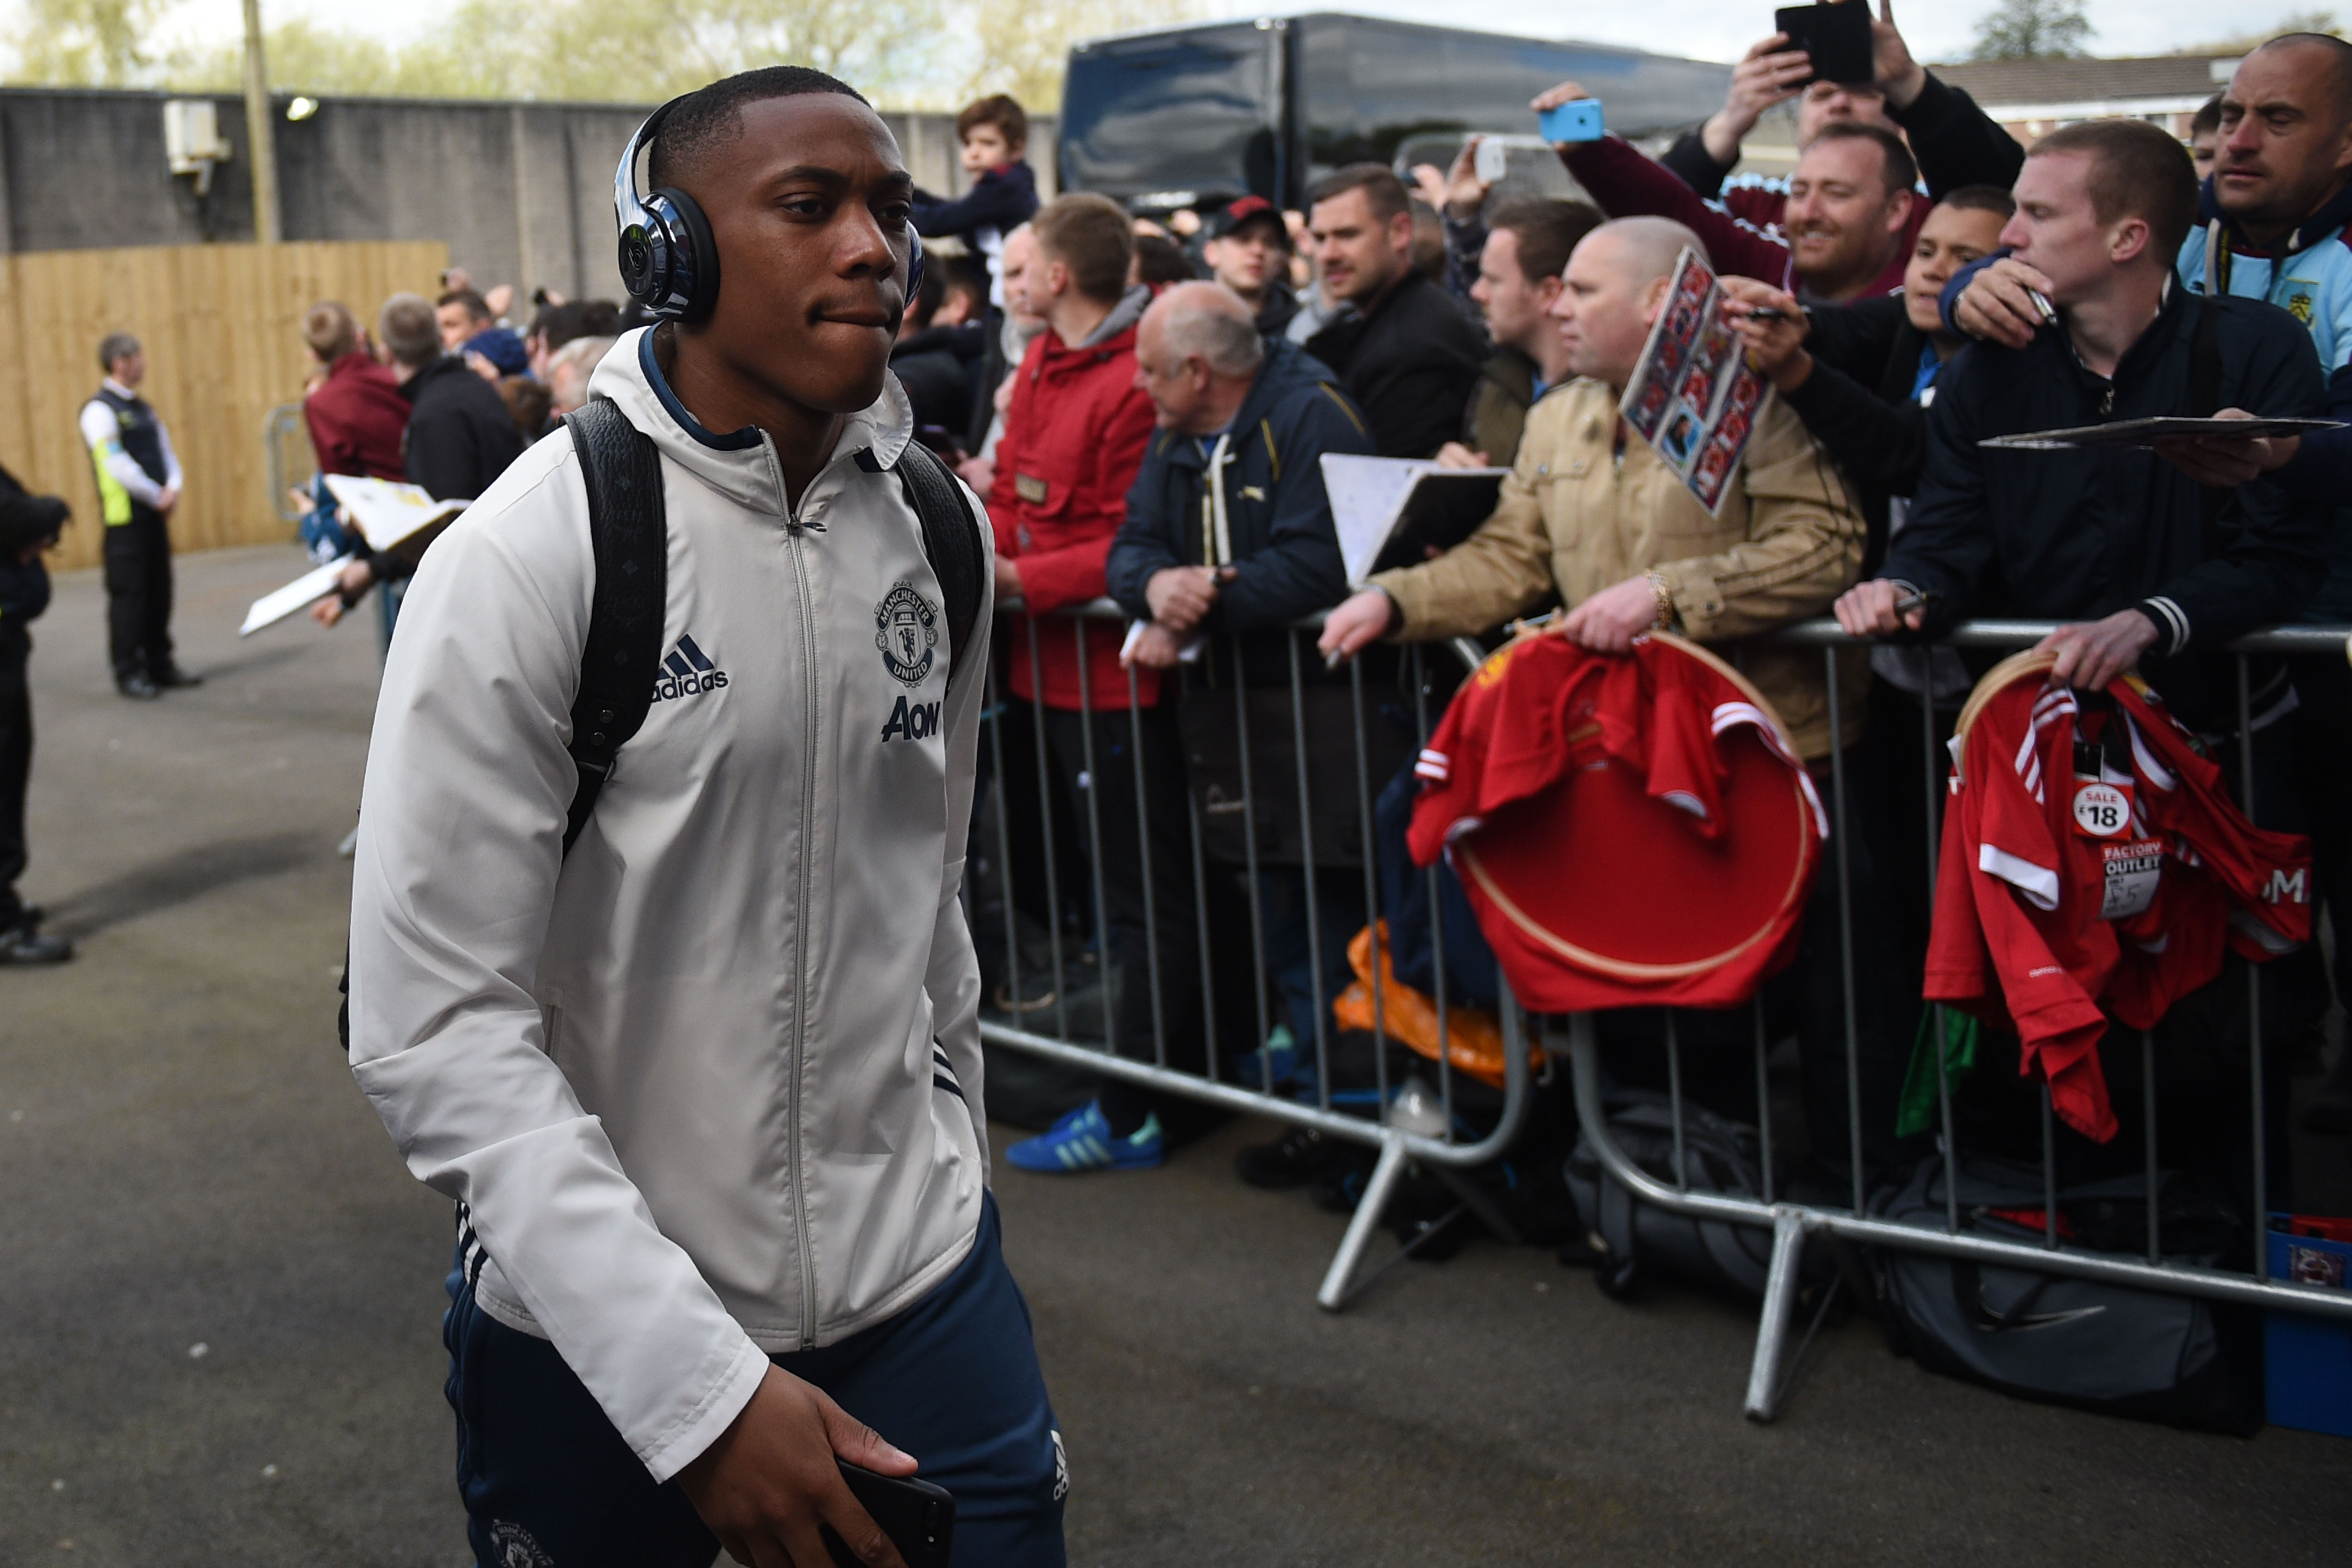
(138, 485)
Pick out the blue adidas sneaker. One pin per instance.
(1083, 1141)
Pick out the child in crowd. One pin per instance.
(994, 131)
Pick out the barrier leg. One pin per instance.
(1367, 1218)
(1779, 1311)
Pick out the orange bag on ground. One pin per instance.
(1474, 1037)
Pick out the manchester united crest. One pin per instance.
(907, 630)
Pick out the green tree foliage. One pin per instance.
(85, 43)
(900, 53)
(2032, 30)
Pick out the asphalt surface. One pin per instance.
(219, 1309)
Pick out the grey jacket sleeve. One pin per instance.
(459, 848)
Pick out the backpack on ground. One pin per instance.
(1633, 1240)
(2067, 1341)
(628, 528)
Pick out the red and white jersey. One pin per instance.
(2093, 868)
(1630, 830)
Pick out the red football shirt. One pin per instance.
(2092, 868)
(1629, 830)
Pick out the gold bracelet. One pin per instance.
(1666, 597)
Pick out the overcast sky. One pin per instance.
(1710, 29)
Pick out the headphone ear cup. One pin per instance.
(914, 267)
(694, 280)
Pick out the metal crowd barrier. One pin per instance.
(1398, 1141)
(1791, 1222)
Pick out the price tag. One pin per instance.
(2101, 810)
(2132, 872)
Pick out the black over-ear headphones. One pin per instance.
(669, 263)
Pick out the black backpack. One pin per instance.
(629, 531)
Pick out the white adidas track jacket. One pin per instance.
(685, 1081)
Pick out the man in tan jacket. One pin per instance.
(1590, 515)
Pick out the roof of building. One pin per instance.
(2006, 82)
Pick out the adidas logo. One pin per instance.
(687, 672)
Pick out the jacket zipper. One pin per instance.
(793, 543)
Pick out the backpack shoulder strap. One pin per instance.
(630, 533)
(950, 540)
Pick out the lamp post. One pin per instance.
(259, 130)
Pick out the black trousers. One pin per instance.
(139, 596)
(15, 766)
(1143, 832)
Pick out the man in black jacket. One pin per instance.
(460, 436)
(28, 525)
(2115, 543)
(1408, 356)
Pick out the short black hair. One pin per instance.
(706, 120)
(2207, 117)
(1980, 199)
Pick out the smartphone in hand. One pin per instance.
(1836, 37)
(918, 1517)
(1577, 119)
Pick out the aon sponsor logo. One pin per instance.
(687, 672)
(911, 721)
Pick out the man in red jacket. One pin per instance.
(1073, 437)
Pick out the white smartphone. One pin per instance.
(1492, 160)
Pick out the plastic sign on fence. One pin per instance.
(1693, 396)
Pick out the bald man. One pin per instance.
(1590, 515)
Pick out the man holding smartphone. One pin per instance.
(707, 1088)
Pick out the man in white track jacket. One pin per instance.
(708, 1089)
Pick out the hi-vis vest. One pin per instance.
(137, 434)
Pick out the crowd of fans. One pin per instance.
(1174, 381)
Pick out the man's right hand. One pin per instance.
(1455, 454)
(1180, 595)
(1775, 347)
(1768, 73)
(1997, 305)
(770, 1480)
(1360, 619)
(166, 498)
(1867, 609)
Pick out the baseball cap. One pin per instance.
(1242, 211)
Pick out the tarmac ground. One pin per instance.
(219, 1315)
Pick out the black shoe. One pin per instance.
(174, 675)
(1300, 1156)
(24, 944)
(138, 687)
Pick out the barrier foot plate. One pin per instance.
(1335, 1292)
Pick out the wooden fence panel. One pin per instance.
(221, 328)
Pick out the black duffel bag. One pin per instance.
(2146, 1354)
(1630, 1238)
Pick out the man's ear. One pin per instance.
(1401, 232)
(1653, 298)
(1547, 290)
(2128, 239)
(1898, 210)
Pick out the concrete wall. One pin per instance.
(521, 193)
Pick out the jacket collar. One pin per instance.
(2333, 217)
(737, 463)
